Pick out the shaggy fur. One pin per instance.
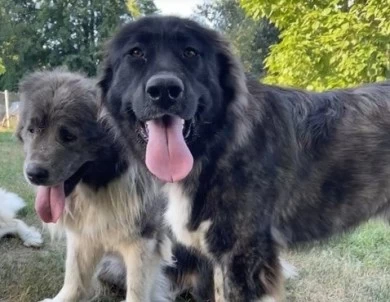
(190, 273)
(10, 204)
(110, 202)
(272, 166)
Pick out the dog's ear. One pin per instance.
(18, 131)
(105, 79)
(233, 81)
(21, 122)
(21, 119)
(26, 85)
(231, 71)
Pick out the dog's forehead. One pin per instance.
(162, 25)
(163, 29)
(56, 102)
(37, 101)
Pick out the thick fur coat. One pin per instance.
(261, 166)
(88, 185)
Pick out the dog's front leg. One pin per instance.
(142, 264)
(30, 236)
(219, 293)
(82, 257)
(252, 273)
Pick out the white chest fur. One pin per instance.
(108, 215)
(178, 216)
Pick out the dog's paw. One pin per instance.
(33, 238)
(267, 299)
(289, 271)
(63, 299)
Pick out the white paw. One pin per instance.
(59, 299)
(289, 271)
(267, 299)
(33, 238)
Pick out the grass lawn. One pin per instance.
(352, 268)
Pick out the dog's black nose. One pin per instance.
(165, 88)
(36, 174)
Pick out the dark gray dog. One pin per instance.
(250, 167)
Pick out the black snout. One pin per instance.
(165, 89)
(37, 174)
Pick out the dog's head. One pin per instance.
(59, 129)
(169, 83)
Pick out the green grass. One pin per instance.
(351, 268)
(11, 163)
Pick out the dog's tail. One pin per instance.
(10, 204)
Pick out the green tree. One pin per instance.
(48, 33)
(141, 7)
(251, 39)
(326, 43)
(19, 44)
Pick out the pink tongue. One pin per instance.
(167, 155)
(50, 202)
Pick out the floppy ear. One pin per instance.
(21, 117)
(26, 86)
(106, 79)
(232, 79)
(19, 129)
(231, 71)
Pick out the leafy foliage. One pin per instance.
(47, 33)
(326, 43)
(16, 43)
(251, 39)
(138, 8)
(2, 67)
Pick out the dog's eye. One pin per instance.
(190, 52)
(31, 130)
(136, 52)
(66, 136)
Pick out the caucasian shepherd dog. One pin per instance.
(249, 167)
(89, 185)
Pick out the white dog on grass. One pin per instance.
(10, 204)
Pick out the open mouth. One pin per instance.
(50, 200)
(167, 154)
(187, 126)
